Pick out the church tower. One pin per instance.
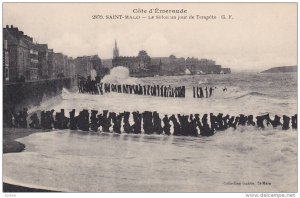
(116, 50)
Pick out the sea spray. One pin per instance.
(120, 75)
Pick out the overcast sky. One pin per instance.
(260, 35)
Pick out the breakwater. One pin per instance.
(16, 95)
(147, 121)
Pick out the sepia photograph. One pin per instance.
(150, 97)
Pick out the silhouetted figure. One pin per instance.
(193, 126)
(94, 121)
(294, 121)
(267, 119)
(61, 122)
(116, 119)
(144, 90)
(7, 118)
(35, 122)
(220, 123)
(65, 120)
(43, 117)
(167, 125)
(176, 125)
(213, 123)
(126, 125)
(183, 91)
(157, 128)
(165, 91)
(147, 122)
(23, 118)
(158, 90)
(201, 93)
(198, 123)
(106, 122)
(47, 123)
(233, 121)
(206, 92)
(242, 120)
(194, 92)
(250, 121)
(100, 87)
(106, 88)
(140, 92)
(119, 88)
(83, 120)
(260, 122)
(225, 121)
(17, 119)
(286, 122)
(154, 91)
(137, 118)
(73, 120)
(131, 89)
(210, 91)
(205, 130)
(276, 122)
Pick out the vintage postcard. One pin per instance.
(150, 97)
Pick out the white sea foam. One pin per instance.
(120, 75)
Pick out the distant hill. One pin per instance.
(281, 69)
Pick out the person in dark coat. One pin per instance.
(126, 125)
(167, 125)
(106, 122)
(23, 118)
(176, 125)
(250, 121)
(206, 130)
(193, 126)
(157, 128)
(73, 120)
(94, 121)
(201, 93)
(286, 122)
(276, 121)
(210, 91)
(147, 122)
(35, 122)
(137, 118)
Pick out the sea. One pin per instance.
(247, 159)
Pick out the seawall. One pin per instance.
(17, 95)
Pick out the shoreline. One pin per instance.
(10, 145)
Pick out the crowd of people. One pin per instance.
(94, 87)
(147, 121)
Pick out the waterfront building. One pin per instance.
(21, 55)
(5, 60)
(43, 61)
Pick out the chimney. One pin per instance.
(7, 26)
(11, 26)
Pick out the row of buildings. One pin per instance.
(144, 65)
(26, 60)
